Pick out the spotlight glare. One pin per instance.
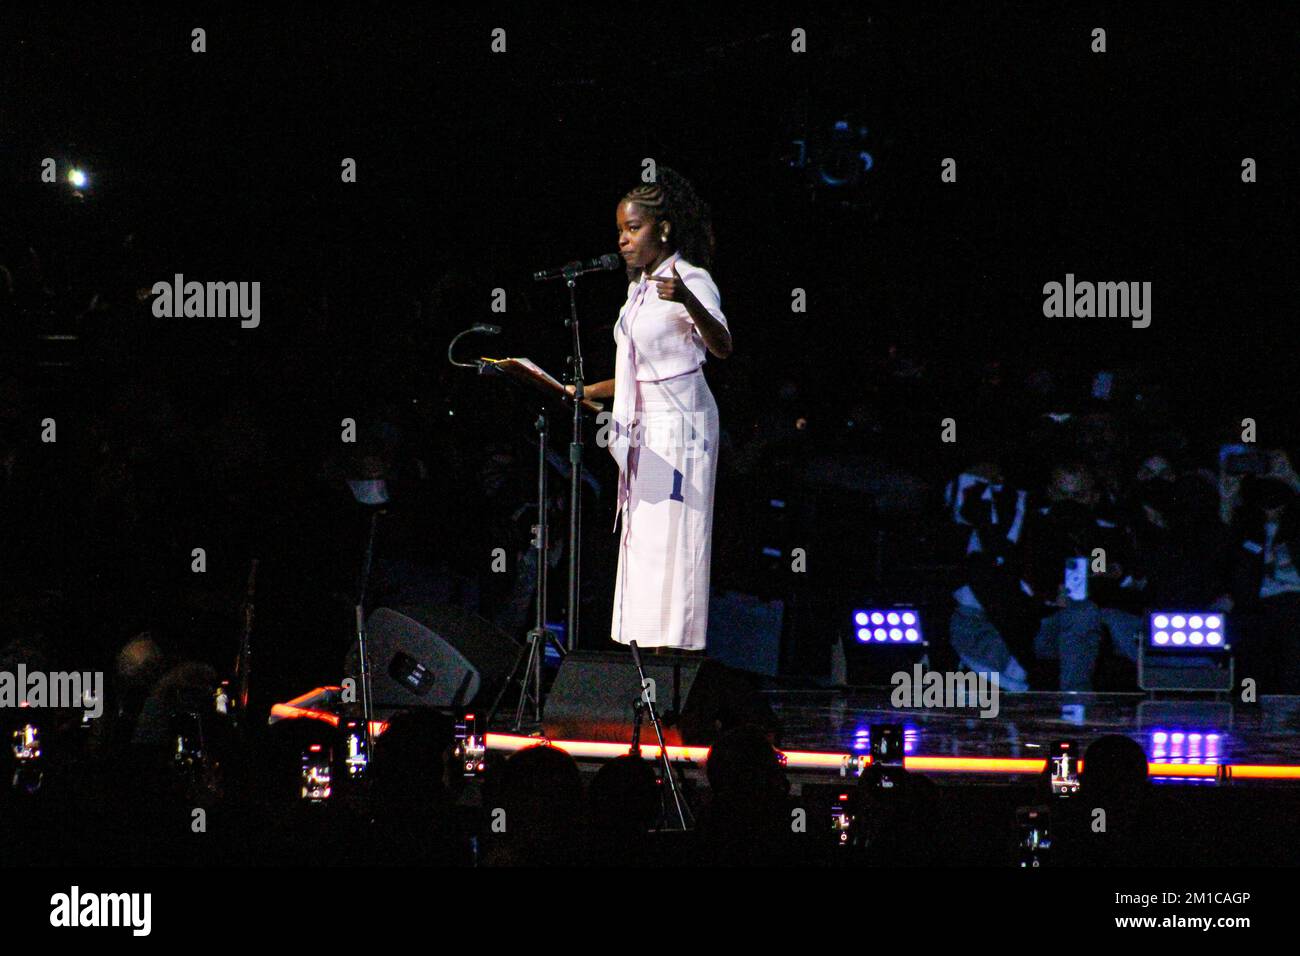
(1179, 638)
(1196, 637)
(877, 618)
(911, 634)
(1214, 637)
(1194, 622)
(1179, 621)
(880, 634)
(1212, 622)
(909, 617)
(864, 634)
(1161, 621)
(893, 617)
(895, 634)
(860, 617)
(1162, 637)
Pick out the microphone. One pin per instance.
(571, 270)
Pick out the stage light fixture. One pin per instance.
(1199, 631)
(1187, 651)
(888, 626)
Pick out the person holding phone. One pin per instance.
(1083, 610)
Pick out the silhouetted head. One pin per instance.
(625, 795)
(139, 665)
(743, 765)
(1114, 765)
(411, 754)
(540, 790)
(1072, 482)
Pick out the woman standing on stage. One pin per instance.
(664, 429)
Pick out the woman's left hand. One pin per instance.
(673, 287)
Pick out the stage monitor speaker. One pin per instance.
(594, 694)
(432, 656)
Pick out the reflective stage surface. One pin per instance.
(1180, 732)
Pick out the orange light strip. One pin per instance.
(317, 692)
(1183, 770)
(799, 759)
(812, 760)
(290, 712)
(976, 764)
(1264, 771)
(595, 749)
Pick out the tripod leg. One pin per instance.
(532, 675)
(520, 658)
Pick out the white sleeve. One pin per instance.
(705, 289)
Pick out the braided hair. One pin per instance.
(673, 199)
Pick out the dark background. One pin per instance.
(476, 168)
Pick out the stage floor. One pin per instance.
(826, 732)
(1177, 732)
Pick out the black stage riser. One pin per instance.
(594, 694)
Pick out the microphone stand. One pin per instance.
(570, 275)
(575, 464)
(527, 669)
(531, 681)
(644, 701)
(244, 660)
(363, 658)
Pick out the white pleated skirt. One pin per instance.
(661, 591)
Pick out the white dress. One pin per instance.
(664, 436)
